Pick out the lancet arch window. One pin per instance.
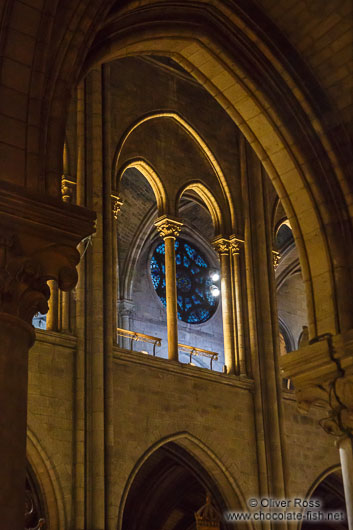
(197, 296)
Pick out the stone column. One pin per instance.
(222, 246)
(80, 432)
(53, 312)
(33, 249)
(169, 230)
(97, 196)
(67, 191)
(16, 338)
(236, 248)
(346, 456)
(126, 308)
(263, 334)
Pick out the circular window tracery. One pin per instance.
(195, 301)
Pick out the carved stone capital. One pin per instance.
(235, 245)
(276, 256)
(126, 308)
(221, 245)
(116, 205)
(67, 188)
(322, 373)
(168, 226)
(38, 243)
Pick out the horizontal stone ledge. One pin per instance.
(56, 338)
(159, 363)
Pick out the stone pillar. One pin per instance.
(222, 246)
(97, 196)
(80, 432)
(236, 248)
(126, 309)
(33, 249)
(16, 338)
(263, 327)
(346, 456)
(67, 191)
(169, 230)
(53, 312)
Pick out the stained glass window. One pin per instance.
(195, 301)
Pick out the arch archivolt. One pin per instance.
(224, 481)
(44, 471)
(210, 202)
(206, 151)
(287, 137)
(152, 178)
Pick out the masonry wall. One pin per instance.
(50, 411)
(157, 399)
(154, 400)
(309, 450)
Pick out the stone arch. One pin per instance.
(50, 487)
(152, 178)
(330, 484)
(218, 472)
(278, 117)
(208, 198)
(211, 159)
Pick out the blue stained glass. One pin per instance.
(180, 302)
(194, 300)
(190, 251)
(186, 262)
(155, 279)
(200, 262)
(160, 249)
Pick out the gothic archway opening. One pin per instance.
(329, 495)
(34, 509)
(167, 491)
(290, 287)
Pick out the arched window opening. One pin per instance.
(329, 495)
(284, 236)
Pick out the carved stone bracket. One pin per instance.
(38, 243)
(322, 373)
(168, 226)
